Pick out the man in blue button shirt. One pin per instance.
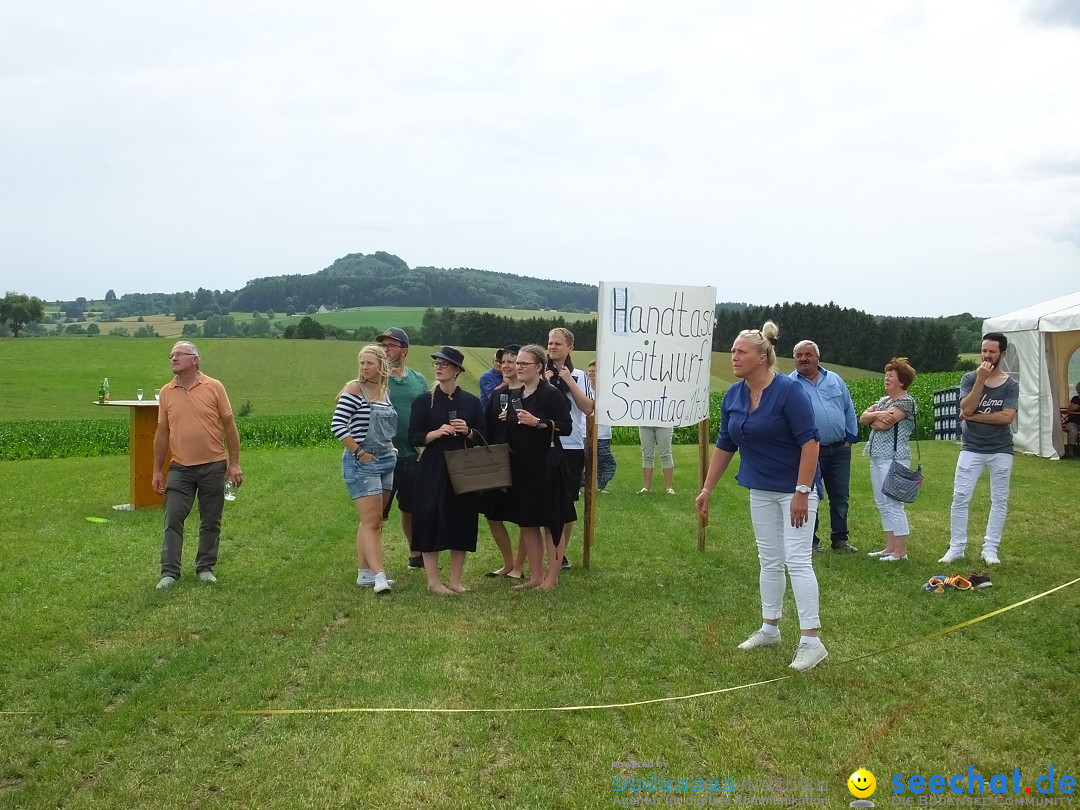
(838, 429)
(491, 379)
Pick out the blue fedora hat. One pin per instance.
(450, 355)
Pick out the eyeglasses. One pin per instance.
(519, 364)
(442, 364)
(174, 355)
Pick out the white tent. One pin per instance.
(1042, 338)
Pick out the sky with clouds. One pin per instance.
(899, 157)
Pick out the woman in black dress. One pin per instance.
(444, 420)
(541, 497)
(495, 504)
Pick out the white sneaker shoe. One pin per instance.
(952, 556)
(207, 576)
(759, 639)
(643, 491)
(808, 656)
(165, 582)
(382, 584)
(670, 491)
(369, 582)
(990, 557)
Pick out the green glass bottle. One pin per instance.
(101, 393)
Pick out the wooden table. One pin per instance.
(144, 415)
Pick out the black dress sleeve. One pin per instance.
(558, 410)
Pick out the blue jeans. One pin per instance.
(366, 478)
(835, 463)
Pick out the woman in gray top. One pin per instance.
(891, 421)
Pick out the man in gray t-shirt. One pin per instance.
(988, 402)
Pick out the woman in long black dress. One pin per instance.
(495, 504)
(541, 497)
(444, 420)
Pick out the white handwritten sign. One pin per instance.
(653, 353)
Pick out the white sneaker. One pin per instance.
(952, 556)
(670, 491)
(891, 558)
(808, 656)
(165, 582)
(382, 584)
(643, 491)
(882, 553)
(759, 639)
(207, 576)
(369, 582)
(990, 557)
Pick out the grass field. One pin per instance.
(411, 318)
(113, 694)
(57, 378)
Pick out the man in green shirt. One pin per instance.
(406, 384)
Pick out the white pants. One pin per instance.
(968, 469)
(893, 517)
(780, 545)
(653, 439)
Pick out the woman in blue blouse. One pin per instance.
(769, 419)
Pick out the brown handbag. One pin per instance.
(480, 468)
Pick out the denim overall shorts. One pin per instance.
(373, 476)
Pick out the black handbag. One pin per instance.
(479, 469)
(903, 483)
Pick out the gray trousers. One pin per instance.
(181, 487)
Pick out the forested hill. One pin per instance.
(382, 279)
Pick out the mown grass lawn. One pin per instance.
(118, 695)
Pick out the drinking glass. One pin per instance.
(230, 491)
(157, 394)
(504, 400)
(138, 393)
(517, 404)
(451, 416)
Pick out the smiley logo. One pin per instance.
(862, 784)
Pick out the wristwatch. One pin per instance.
(804, 489)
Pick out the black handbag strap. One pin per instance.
(478, 434)
(914, 432)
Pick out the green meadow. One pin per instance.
(284, 685)
(410, 318)
(58, 378)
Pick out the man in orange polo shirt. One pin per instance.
(195, 424)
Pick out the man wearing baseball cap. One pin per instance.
(405, 384)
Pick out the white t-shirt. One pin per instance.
(576, 440)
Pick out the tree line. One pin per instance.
(849, 337)
(382, 279)
(845, 337)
